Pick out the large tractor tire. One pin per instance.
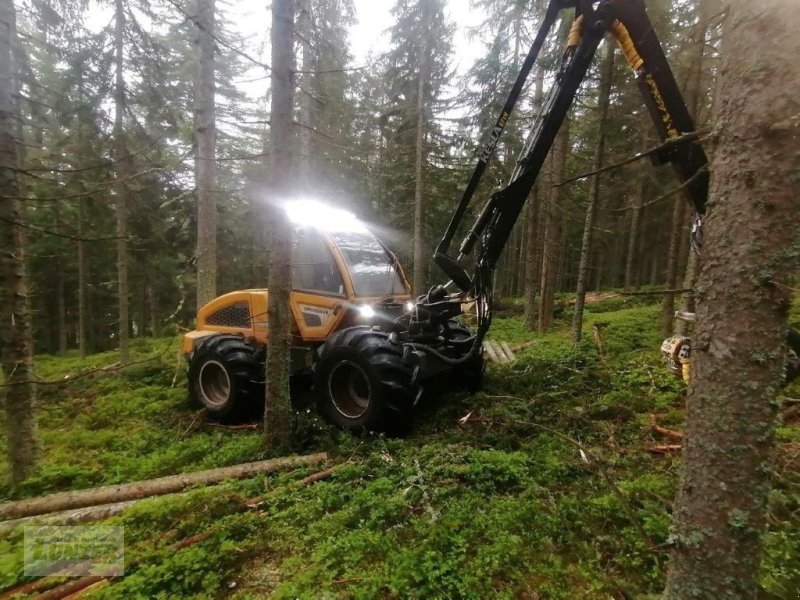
(226, 377)
(361, 383)
(793, 364)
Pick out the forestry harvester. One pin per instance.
(369, 348)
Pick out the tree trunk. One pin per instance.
(15, 328)
(306, 33)
(123, 172)
(533, 239)
(606, 76)
(552, 231)
(636, 218)
(668, 302)
(739, 352)
(82, 282)
(278, 410)
(205, 158)
(706, 10)
(152, 315)
(61, 301)
(420, 257)
(151, 487)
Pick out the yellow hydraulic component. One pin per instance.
(574, 37)
(677, 351)
(626, 45)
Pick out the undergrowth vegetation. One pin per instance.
(541, 486)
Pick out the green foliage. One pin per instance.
(546, 489)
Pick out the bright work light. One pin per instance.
(321, 216)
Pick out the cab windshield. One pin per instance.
(370, 265)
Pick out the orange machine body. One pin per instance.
(329, 284)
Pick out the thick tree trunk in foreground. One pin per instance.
(552, 231)
(150, 487)
(606, 75)
(205, 159)
(15, 323)
(532, 238)
(420, 257)
(123, 173)
(278, 410)
(752, 240)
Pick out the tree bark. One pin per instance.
(306, 33)
(606, 76)
(278, 409)
(706, 10)
(82, 281)
(151, 487)
(16, 332)
(552, 231)
(61, 301)
(636, 218)
(532, 239)
(739, 350)
(123, 171)
(420, 257)
(205, 158)
(668, 302)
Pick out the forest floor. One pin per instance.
(542, 486)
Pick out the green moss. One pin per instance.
(504, 505)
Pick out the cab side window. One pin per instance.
(313, 268)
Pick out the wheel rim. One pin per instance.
(215, 384)
(349, 389)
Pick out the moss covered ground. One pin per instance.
(541, 486)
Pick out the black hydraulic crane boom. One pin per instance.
(628, 21)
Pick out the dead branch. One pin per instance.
(658, 292)
(692, 135)
(112, 368)
(66, 236)
(242, 427)
(315, 477)
(664, 448)
(670, 433)
(672, 192)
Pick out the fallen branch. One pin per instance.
(658, 292)
(112, 368)
(664, 448)
(149, 488)
(670, 433)
(315, 477)
(242, 427)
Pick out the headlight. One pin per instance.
(410, 306)
(366, 311)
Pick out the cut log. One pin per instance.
(664, 448)
(151, 487)
(70, 588)
(507, 349)
(491, 352)
(70, 517)
(670, 433)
